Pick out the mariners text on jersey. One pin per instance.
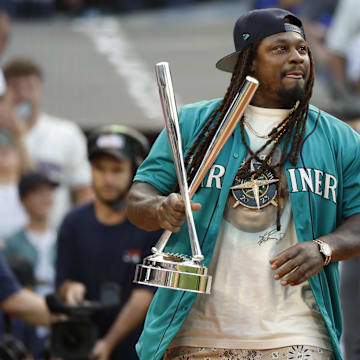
(301, 180)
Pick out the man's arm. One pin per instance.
(131, 315)
(18, 302)
(148, 209)
(304, 260)
(10, 121)
(70, 291)
(27, 306)
(345, 240)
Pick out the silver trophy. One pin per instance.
(177, 271)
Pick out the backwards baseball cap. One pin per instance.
(118, 141)
(256, 25)
(31, 180)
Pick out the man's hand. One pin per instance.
(171, 212)
(101, 351)
(8, 117)
(7, 109)
(150, 210)
(72, 292)
(298, 263)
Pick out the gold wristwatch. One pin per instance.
(325, 249)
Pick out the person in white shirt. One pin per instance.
(13, 155)
(12, 214)
(57, 146)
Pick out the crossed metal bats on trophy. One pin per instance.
(177, 271)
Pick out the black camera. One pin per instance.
(12, 349)
(75, 337)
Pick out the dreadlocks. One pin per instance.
(291, 130)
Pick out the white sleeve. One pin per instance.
(2, 83)
(78, 167)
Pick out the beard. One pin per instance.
(293, 94)
(115, 203)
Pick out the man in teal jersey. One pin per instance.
(272, 249)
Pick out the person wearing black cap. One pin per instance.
(274, 215)
(36, 241)
(97, 244)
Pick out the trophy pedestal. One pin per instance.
(173, 271)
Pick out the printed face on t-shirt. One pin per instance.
(252, 203)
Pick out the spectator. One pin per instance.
(58, 146)
(14, 157)
(342, 40)
(12, 214)
(317, 17)
(36, 242)
(97, 243)
(320, 11)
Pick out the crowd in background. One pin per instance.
(44, 167)
(43, 9)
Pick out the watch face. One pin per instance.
(326, 249)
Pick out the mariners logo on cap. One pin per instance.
(110, 141)
(245, 36)
(255, 193)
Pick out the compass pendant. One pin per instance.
(255, 193)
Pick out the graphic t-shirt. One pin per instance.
(247, 308)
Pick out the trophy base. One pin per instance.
(173, 271)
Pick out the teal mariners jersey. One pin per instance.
(324, 190)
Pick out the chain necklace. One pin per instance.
(274, 130)
(254, 132)
(277, 130)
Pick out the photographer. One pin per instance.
(97, 244)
